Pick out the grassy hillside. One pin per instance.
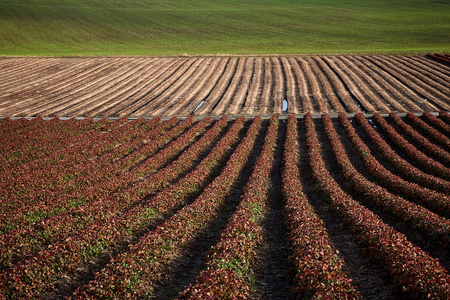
(124, 27)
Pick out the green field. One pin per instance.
(177, 27)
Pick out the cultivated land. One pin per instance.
(175, 27)
(173, 86)
(239, 208)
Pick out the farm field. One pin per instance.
(202, 86)
(248, 208)
(192, 27)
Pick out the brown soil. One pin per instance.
(175, 86)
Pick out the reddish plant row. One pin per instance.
(228, 264)
(53, 170)
(315, 263)
(441, 57)
(52, 263)
(407, 170)
(78, 190)
(430, 131)
(439, 203)
(26, 241)
(445, 116)
(436, 122)
(128, 273)
(43, 141)
(412, 270)
(421, 141)
(429, 223)
(426, 163)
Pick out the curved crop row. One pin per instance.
(412, 271)
(72, 193)
(227, 266)
(127, 274)
(445, 116)
(51, 264)
(440, 57)
(426, 163)
(430, 131)
(424, 144)
(315, 263)
(439, 203)
(27, 240)
(407, 170)
(436, 122)
(429, 223)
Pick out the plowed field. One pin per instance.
(145, 87)
(237, 208)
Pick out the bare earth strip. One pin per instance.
(217, 93)
(182, 86)
(292, 87)
(367, 99)
(379, 85)
(81, 93)
(235, 96)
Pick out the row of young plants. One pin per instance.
(164, 177)
(78, 217)
(12, 140)
(440, 57)
(9, 126)
(56, 130)
(403, 167)
(82, 190)
(436, 122)
(314, 263)
(40, 142)
(64, 257)
(430, 224)
(445, 116)
(60, 167)
(133, 274)
(422, 142)
(227, 269)
(429, 130)
(437, 202)
(426, 163)
(76, 147)
(53, 171)
(413, 272)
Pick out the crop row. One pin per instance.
(411, 269)
(93, 211)
(395, 184)
(127, 274)
(315, 264)
(414, 155)
(151, 190)
(227, 267)
(445, 58)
